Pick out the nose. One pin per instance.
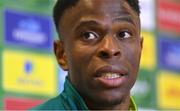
(108, 48)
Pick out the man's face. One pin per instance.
(102, 45)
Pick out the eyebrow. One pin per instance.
(94, 22)
(126, 18)
(87, 23)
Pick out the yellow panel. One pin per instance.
(29, 73)
(168, 90)
(148, 58)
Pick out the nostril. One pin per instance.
(116, 53)
(104, 54)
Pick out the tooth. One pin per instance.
(110, 75)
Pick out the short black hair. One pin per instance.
(62, 5)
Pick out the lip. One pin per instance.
(113, 82)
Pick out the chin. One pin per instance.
(110, 98)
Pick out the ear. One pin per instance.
(60, 54)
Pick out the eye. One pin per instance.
(89, 35)
(124, 35)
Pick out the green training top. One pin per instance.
(69, 99)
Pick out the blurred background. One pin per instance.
(29, 73)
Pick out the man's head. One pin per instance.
(100, 47)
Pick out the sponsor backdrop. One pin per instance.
(29, 74)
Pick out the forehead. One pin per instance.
(96, 9)
(101, 6)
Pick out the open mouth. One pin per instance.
(110, 77)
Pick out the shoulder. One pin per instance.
(52, 104)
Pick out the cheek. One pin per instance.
(80, 57)
(133, 57)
